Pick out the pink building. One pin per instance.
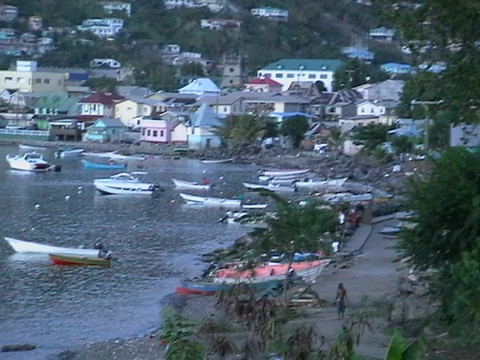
(156, 131)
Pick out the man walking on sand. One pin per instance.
(340, 300)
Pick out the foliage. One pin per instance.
(295, 128)
(354, 72)
(336, 139)
(402, 144)
(370, 136)
(176, 333)
(102, 84)
(398, 350)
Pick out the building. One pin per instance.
(156, 131)
(381, 34)
(201, 133)
(103, 28)
(270, 13)
(112, 6)
(264, 84)
(105, 63)
(385, 90)
(286, 71)
(27, 78)
(8, 13)
(132, 107)
(218, 24)
(201, 86)
(35, 23)
(397, 68)
(106, 130)
(99, 105)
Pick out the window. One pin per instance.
(46, 81)
(267, 75)
(8, 79)
(279, 76)
(38, 81)
(149, 132)
(155, 133)
(290, 76)
(323, 76)
(161, 133)
(312, 76)
(371, 110)
(143, 132)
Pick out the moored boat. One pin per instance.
(30, 161)
(285, 172)
(271, 187)
(64, 259)
(205, 287)
(192, 185)
(23, 246)
(217, 161)
(69, 152)
(102, 166)
(321, 183)
(211, 201)
(124, 184)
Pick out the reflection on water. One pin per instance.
(155, 240)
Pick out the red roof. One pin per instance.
(102, 98)
(264, 81)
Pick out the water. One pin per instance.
(155, 240)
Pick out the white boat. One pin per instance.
(346, 197)
(22, 246)
(31, 147)
(254, 206)
(113, 155)
(69, 152)
(124, 184)
(271, 187)
(279, 178)
(286, 172)
(192, 185)
(211, 201)
(30, 161)
(321, 183)
(217, 161)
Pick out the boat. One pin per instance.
(271, 187)
(124, 184)
(23, 246)
(30, 161)
(69, 152)
(113, 155)
(102, 166)
(211, 201)
(286, 172)
(246, 219)
(31, 147)
(321, 183)
(209, 287)
(254, 206)
(65, 259)
(347, 197)
(307, 270)
(217, 161)
(278, 178)
(192, 185)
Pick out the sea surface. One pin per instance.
(156, 242)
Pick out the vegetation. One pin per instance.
(294, 128)
(370, 136)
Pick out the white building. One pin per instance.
(287, 71)
(270, 13)
(103, 28)
(111, 6)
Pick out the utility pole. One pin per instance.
(426, 105)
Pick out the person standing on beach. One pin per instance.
(340, 300)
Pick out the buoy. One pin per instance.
(33, 228)
(221, 177)
(80, 187)
(37, 206)
(67, 197)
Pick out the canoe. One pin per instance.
(64, 259)
(321, 183)
(217, 161)
(271, 187)
(286, 172)
(33, 247)
(254, 206)
(193, 185)
(205, 287)
(211, 201)
(102, 166)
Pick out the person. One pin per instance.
(205, 181)
(341, 299)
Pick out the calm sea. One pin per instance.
(156, 242)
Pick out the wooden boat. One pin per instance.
(321, 183)
(206, 287)
(102, 166)
(23, 246)
(124, 184)
(30, 161)
(211, 201)
(217, 161)
(307, 270)
(193, 185)
(64, 259)
(286, 172)
(271, 187)
(69, 152)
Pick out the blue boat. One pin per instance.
(205, 287)
(102, 166)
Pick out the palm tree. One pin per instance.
(336, 139)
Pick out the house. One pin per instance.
(172, 101)
(99, 105)
(8, 13)
(173, 4)
(156, 130)
(263, 84)
(35, 23)
(218, 24)
(103, 28)
(270, 13)
(286, 71)
(179, 133)
(105, 63)
(106, 130)
(56, 103)
(66, 130)
(201, 86)
(201, 133)
(231, 103)
(266, 103)
(381, 34)
(134, 106)
(397, 68)
(112, 6)
(385, 90)
(360, 53)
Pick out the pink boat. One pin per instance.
(308, 270)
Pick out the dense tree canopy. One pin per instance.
(294, 128)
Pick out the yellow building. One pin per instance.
(26, 78)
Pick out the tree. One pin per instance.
(295, 128)
(354, 73)
(370, 136)
(336, 139)
(402, 144)
(397, 350)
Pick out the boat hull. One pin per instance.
(22, 246)
(211, 201)
(281, 173)
(100, 166)
(190, 185)
(194, 287)
(62, 259)
(218, 161)
(28, 162)
(108, 189)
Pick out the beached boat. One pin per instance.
(30, 161)
(124, 184)
(63, 259)
(254, 206)
(69, 152)
(102, 166)
(321, 183)
(23, 246)
(245, 218)
(217, 161)
(271, 187)
(192, 185)
(209, 287)
(31, 147)
(285, 172)
(211, 201)
(347, 197)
